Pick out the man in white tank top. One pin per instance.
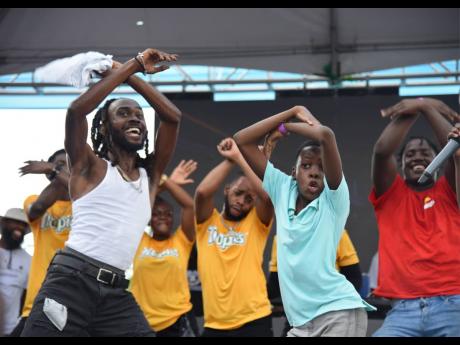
(112, 191)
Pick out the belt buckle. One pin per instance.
(102, 270)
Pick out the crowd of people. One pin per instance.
(102, 212)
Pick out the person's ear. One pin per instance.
(226, 190)
(293, 173)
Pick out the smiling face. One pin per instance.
(417, 155)
(162, 218)
(127, 124)
(309, 173)
(239, 199)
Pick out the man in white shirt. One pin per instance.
(14, 267)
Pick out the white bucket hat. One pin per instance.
(16, 214)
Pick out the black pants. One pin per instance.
(258, 328)
(93, 308)
(185, 326)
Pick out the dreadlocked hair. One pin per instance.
(102, 144)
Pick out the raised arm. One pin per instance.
(403, 115)
(168, 113)
(455, 134)
(264, 208)
(384, 164)
(270, 142)
(204, 194)
(330, 156)
(76, 128)
(56, 190)
(440, 116)
(248, 138)
(186, 202)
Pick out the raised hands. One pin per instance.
(183, 170)
(413, 106)
(228, 149)
(150, 57)
(36, 167)
(304, 115)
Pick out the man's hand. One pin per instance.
(36, 167)
(413, 106)
(151, 57)
(410, 107)
(183, 170)
(449, 114)
(229, 149)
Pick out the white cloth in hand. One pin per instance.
(76, 70)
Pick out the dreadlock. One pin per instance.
(102, 144)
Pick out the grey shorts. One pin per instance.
(341, 323)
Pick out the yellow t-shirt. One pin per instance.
(50, 233)
(273, 264)
(159, 283)
(230, 256)
(346, 254)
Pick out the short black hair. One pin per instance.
(55, 154)
(239, 175)
(160, 200)
(421, 138)
(305, 144)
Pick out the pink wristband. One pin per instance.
(282, 129)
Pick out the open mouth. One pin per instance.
(133, 132)
(418, 169)
(313, 187)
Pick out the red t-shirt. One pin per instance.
(419, 247)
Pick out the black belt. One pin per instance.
(103, 275)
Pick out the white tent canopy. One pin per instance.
(299, 40)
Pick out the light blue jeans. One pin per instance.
(422, 317)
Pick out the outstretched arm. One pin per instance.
(204, 194)
(228, 149)
(58, 188)
(248, 138)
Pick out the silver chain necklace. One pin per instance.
(132, 183)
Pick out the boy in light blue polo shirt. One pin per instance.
(311, 208)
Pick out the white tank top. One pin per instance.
(108, 222)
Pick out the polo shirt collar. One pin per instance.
(292, 202)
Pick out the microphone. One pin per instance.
(448, 150)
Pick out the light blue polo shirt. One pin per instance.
(307, 247)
